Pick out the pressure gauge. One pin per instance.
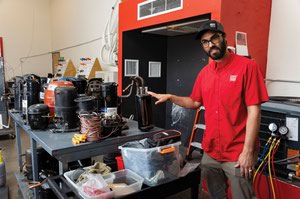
(283, 130)
(272, 127)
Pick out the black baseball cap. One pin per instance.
(209, 25)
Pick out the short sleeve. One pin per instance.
(196, 94)
(255, 88)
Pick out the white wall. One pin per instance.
(24, 26)
(284, 48)
(78, 21)
(31, 27)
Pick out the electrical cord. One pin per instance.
(110, 38)
(114, 130)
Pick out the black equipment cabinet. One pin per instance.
(282, 114)
(4, 118)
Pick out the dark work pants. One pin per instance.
(216, 174)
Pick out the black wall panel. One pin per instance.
(145, 48)
(182, 59)
(185, 60)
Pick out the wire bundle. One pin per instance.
(90, 126)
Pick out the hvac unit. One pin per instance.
(282, 114)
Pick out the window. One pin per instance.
(152, 8)
(131, 67)
(154, 69)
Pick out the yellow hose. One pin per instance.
(262, 162)
(270, 173)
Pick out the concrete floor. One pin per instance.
(10, 157)
(9, 147)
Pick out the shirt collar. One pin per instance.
(224, 63)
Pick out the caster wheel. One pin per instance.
(12, 136)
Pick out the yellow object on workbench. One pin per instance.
(79, 138)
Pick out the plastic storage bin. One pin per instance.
(156, 165)
(123, 182)
(68, 175)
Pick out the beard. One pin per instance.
(219, 51)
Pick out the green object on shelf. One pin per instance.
(61, 58)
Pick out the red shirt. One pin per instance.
(225, 90)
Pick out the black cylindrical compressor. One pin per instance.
(78, 82)
(85, 104)
(17, 88)
(109, 98)
(65, 107)
(31, 90)
(94, 89)
(112, 122)
(144, 112)
(43, 82)
(142, 103)
(38, 116)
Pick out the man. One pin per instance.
(231, 88)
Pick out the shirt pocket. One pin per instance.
(231, 92)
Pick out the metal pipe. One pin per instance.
(140, 80)
(130, 91)
(139, 83)
(280, 80)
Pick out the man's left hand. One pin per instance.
(246, 163)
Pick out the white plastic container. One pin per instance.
(156, 165)
(109, 194)
(123, 182)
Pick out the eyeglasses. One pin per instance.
(216, 38)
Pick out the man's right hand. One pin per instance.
(160, 97)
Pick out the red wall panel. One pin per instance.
(128, 13)
(252, 17)
(128, 19)
(1, 47)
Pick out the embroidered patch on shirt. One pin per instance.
(232, 78)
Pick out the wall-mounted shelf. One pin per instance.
(88, 68)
